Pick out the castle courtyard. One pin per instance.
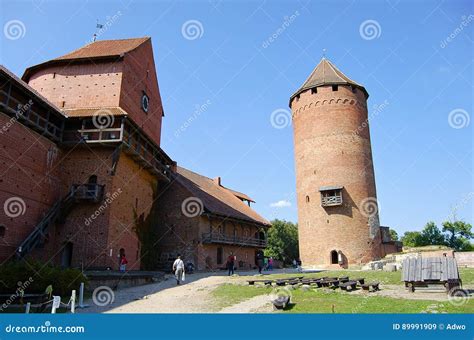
(217, 293)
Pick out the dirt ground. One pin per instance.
(195, 296)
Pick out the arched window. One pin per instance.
(307, 199)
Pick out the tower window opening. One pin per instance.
(307, 199)
(334, 87)
(353, 88)
(314, 90)
(331, 196)
(2, 231)
(334, 257)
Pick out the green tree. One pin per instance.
(432, 235)
(282, 241)
(458, 235)
(411, 239)
(393, 235)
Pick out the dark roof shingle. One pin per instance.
(217, 199)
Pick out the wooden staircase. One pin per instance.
(79, 193)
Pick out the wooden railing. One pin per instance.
(331, 200)
(234, 240)
(87, 192)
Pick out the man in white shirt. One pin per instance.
(178, 269)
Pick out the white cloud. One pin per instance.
(281, 204)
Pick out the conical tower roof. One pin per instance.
(327, 74)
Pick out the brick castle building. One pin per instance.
(84, 176)
(336, 194)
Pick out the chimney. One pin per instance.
(217, 180)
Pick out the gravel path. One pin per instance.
(194, 296)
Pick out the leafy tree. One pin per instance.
(393, 235)
(282, 241)
(431, 235)
(411, 239)
(458, 235)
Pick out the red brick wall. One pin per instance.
(332, 147)
(181, 234)
(89, 238)
(139, 75)
(95, 84)
(135, 188)
(29, 170)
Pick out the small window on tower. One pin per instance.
(2, 231)
(314, 90)
(331, 196)
(334, 87)
(145, 102)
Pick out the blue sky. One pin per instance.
(222, 77)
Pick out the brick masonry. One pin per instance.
(332, 147)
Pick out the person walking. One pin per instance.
(178, 269)
(270, 263)
(231, 263)
(265, 263)
(122, 261)
(260, 262)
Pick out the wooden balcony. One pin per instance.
(87, 192)
(134, 143)
(233, 240)
(331, 201)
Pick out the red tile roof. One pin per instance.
(325, 73)
(98, 50)
(104, 48)
(217, 199)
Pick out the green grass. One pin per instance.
(324, 301)
(230, 294)
(328, 301)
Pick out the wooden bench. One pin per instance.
(266, 282)
(372, 285)
(360, 280)
(348, 286)
(343, 279)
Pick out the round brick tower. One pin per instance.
(337, 206)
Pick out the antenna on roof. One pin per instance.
(97, 27)
(324, 53)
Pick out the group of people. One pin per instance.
(264, 263)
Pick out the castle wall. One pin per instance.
(139, 77)
(332, 147)
(71, 86)
(29, 181)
